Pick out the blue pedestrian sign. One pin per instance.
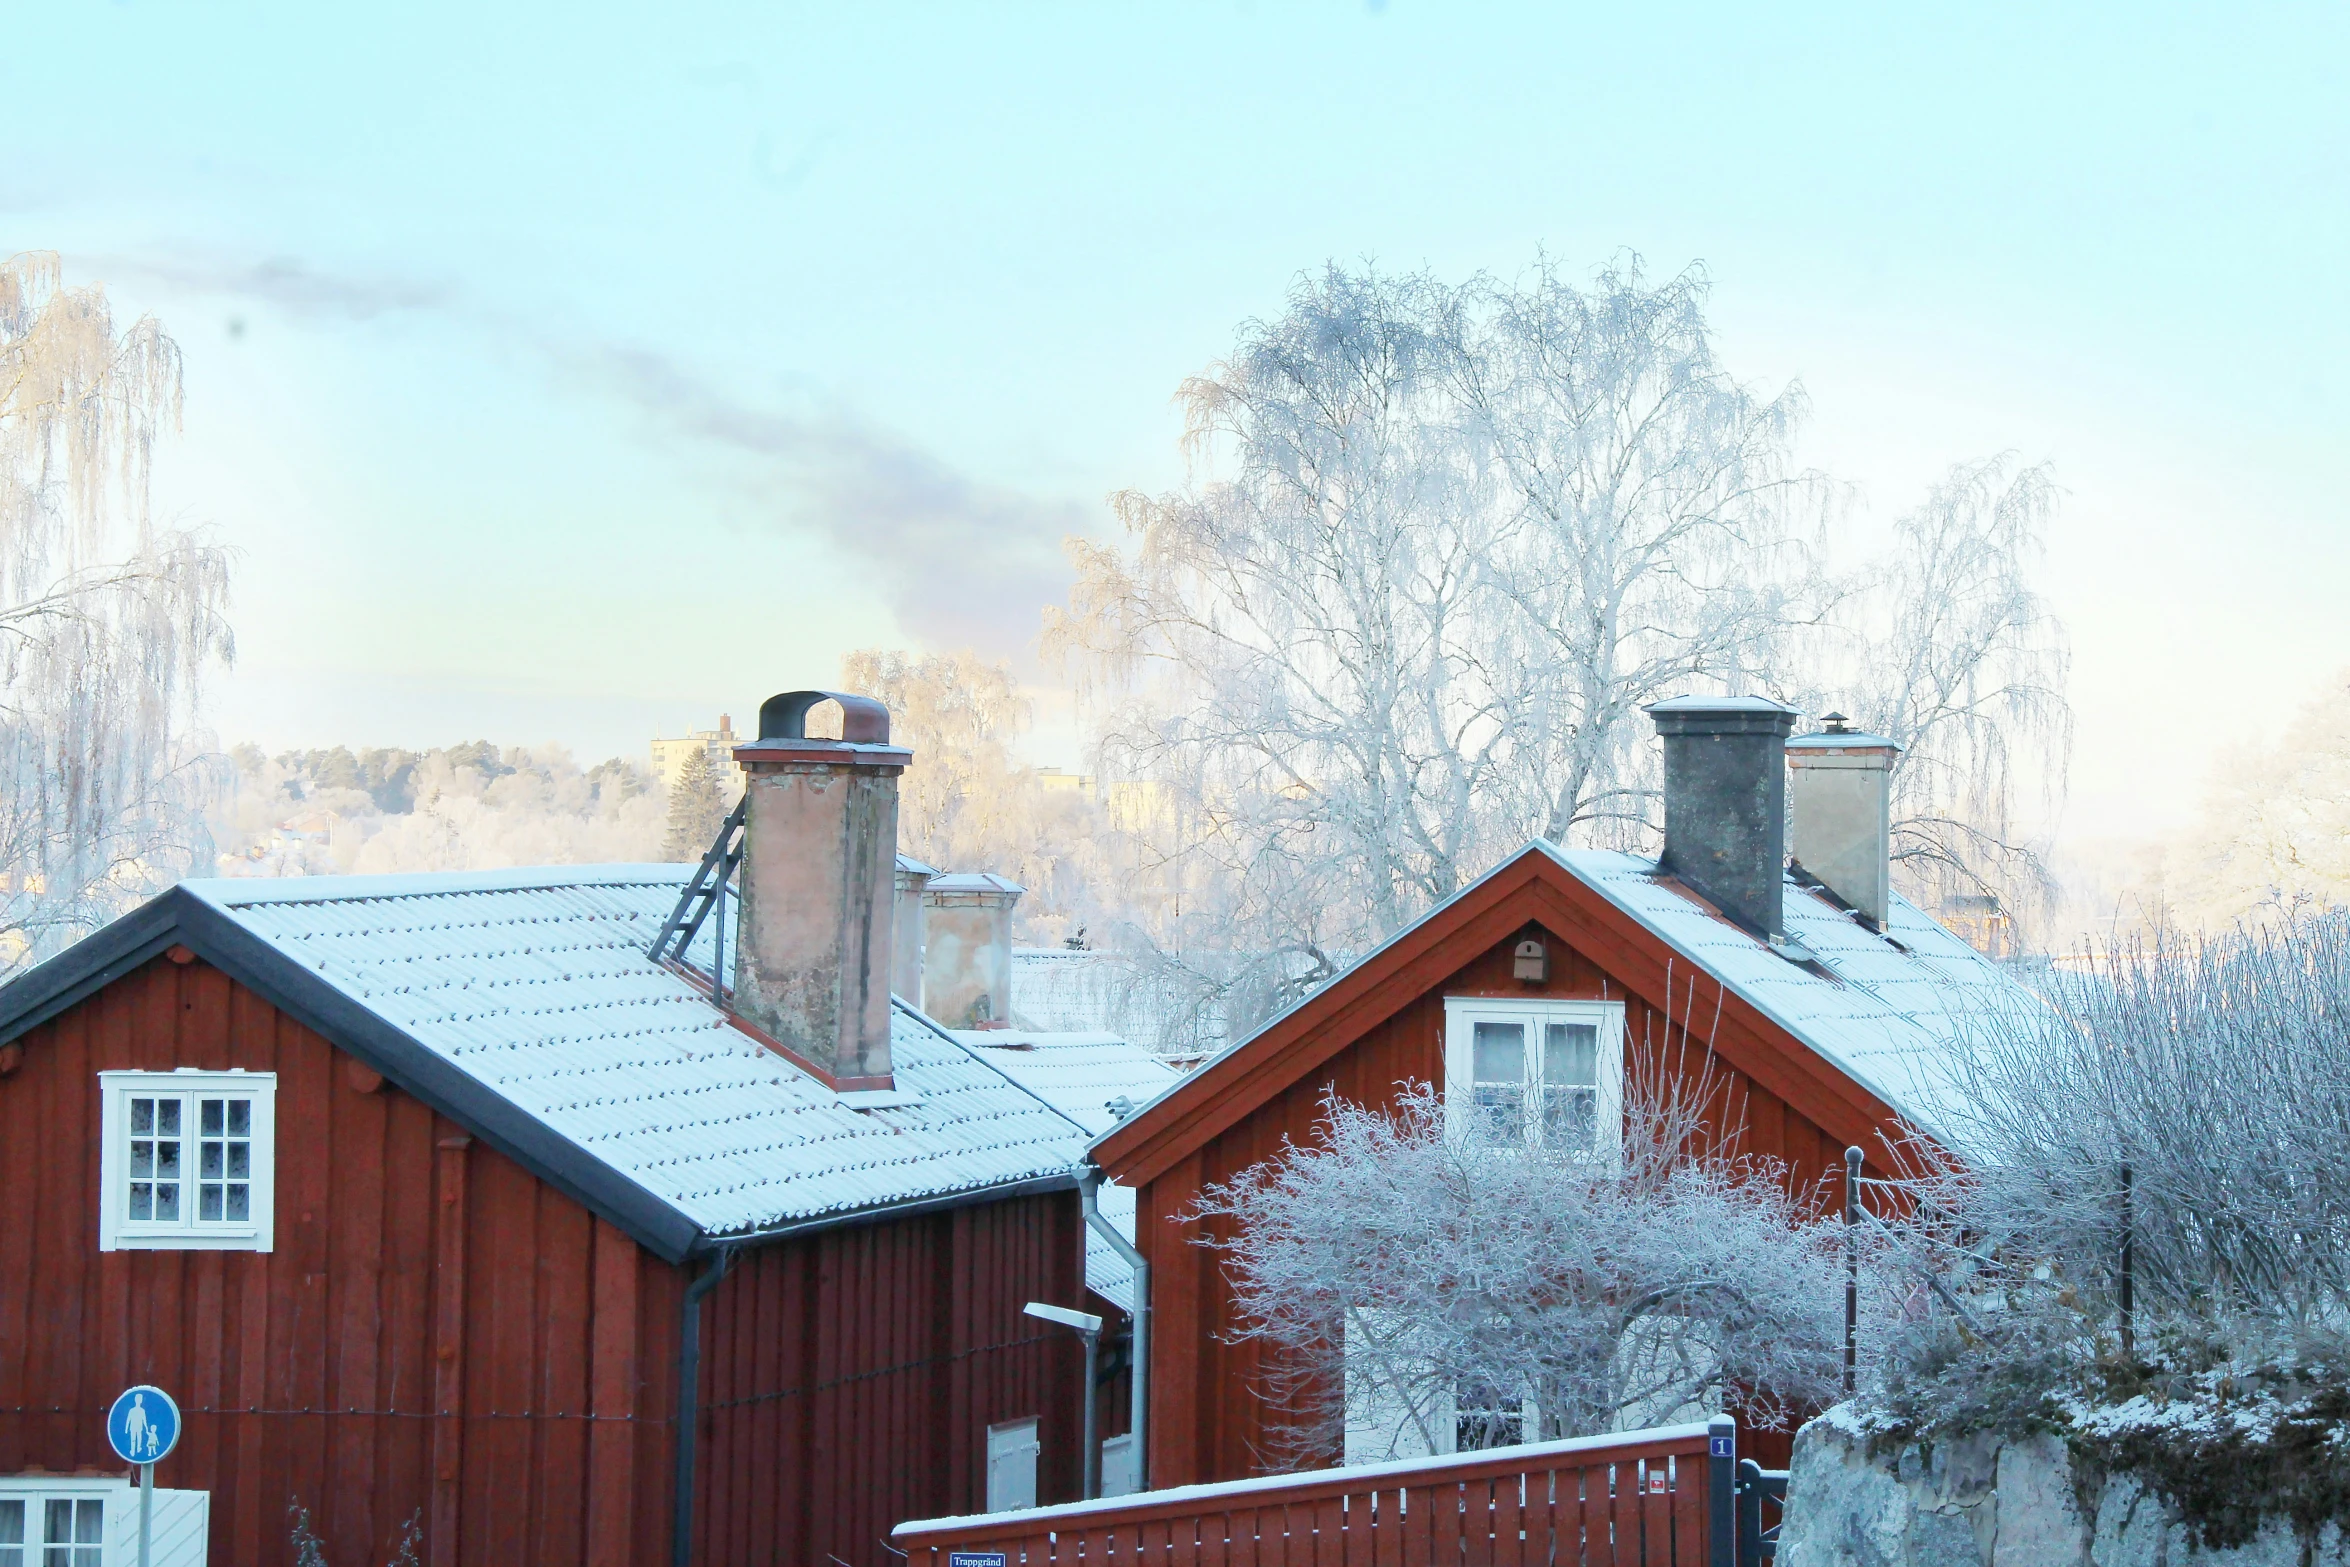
(143, 1425)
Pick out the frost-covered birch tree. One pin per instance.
(1316, 719)
(1945, 647)
(107, 621)
(1439, 546)
(968, 803)
(1648, 528)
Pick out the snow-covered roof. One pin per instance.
(536, 985)
(1060, 989)
(1082, 989)
(1891, 1010)
(1080, 1074)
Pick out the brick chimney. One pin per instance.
(905, 969)
(967, 959)
(818, 886)
(1726, 804)
(1842, 815)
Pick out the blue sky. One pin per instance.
(573, 372)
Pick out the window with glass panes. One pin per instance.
(52, 1531)
(1536, 1072)
(187, 1158)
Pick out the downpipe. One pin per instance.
(689, 1400)
(1138, 1356)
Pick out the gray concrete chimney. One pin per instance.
(905, 969)
(967, 962)
(1842, 815)
(1726, 803)
(818, 886)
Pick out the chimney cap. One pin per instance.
(975, 881)
(910, 866)
(1836, 738)
(784, 716)
(783, 732)
(1721, 715)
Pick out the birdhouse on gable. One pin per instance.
(1533, 960)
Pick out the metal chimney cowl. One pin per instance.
(1726, 804)
(1841, 815)
(818, 886)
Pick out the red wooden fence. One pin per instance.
(1634, 1499)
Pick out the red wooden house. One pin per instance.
(1826, 1003)
(446, 1209)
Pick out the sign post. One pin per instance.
(142, 1428)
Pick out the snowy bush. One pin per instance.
(1451, 1288)
(2194, 1099)
(2214, 1078)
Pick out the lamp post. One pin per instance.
(1089, 1328)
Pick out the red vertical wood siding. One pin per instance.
(850, 1376)
(439, 1338)
(417, 1346)
(1208, 1421)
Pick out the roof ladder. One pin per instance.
(703, 894)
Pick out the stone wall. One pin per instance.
(1987, 1501)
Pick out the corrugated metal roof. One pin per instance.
(1891, 1013)
(536, 983)
(1079, 1074)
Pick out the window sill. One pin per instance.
(186, 1240)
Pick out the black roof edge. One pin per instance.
(878, 1213)
(90, 964)
(179, 917)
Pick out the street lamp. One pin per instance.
(1089, 1328)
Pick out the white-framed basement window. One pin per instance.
(188, 1161)
(1548, 1074)
(93, 1521)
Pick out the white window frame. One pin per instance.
(1463, 1013)
(117, 1231)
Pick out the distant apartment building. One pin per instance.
(1131, 803)
(718, 744)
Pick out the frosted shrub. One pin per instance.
(1476, 1282)
(2215, 1073)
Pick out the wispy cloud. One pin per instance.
(960, 563)
(291, 286)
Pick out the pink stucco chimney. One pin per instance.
(819, 886)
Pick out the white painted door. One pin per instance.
(1118, 1466)
(1012, 1450)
